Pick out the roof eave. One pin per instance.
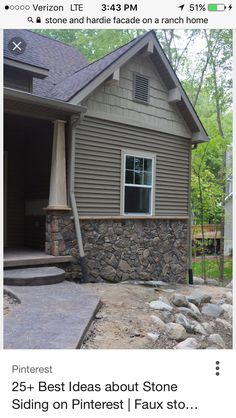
(38, 100)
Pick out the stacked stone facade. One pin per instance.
(118, 250)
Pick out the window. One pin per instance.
(17, 80)
(141, 88)
(138, 184)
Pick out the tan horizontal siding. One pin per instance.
(98, 167)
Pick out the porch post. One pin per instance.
(58, 192)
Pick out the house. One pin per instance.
(97, 159)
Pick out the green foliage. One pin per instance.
(93, 44)
(212, 268)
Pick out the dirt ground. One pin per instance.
(8, 303)
(125, 317)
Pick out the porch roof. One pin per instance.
(24, 103)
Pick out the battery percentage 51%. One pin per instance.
(197, 7)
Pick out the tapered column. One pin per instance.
(58, 193)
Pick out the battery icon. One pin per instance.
(216, 7)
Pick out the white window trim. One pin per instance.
(140, 154)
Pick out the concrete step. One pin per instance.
(36, 276)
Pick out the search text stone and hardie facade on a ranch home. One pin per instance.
(98, 158)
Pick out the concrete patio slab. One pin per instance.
(50, 317)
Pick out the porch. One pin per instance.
(19, 257)
(36, 175)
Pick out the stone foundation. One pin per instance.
(118, 250)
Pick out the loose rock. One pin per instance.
(199, 329)
(198, 298)
(176, 331)
(194, 308)
(189, 312)
(188, 344)
(162, 306)
(208, 327)
(225, 323)
(229, 297)
(180, 300)
(160, 325)
(211, 309)
(217, 340)
(182, 320)
(153, 335)
(198, 280)
(228, 308)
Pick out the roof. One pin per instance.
(60, 59)
(67, 88)
(71, 78)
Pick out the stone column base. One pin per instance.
(60, 235)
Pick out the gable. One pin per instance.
(114, 101)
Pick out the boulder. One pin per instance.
(160, 325)
(230, 285)
(198, 280)
(228, 308)
(216, 339)
(179, 300)
(229, 297)
(160, 305)
(198, 298)
(189, 312)
(175, 331)
(166, 316)
(182, 320)
(188, 344)
(211, 309)
(218, 301)
(194, 308)
(208, 327)
(198, 329)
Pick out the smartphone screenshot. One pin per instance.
(117, 197)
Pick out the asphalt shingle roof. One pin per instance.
(62, 60)
(69, 71)
(67, 88)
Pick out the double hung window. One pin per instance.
(138, 184)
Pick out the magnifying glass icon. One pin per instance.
(30, 19)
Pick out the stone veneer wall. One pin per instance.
(118, 250)
(60, 235)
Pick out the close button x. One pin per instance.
(17, 45)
